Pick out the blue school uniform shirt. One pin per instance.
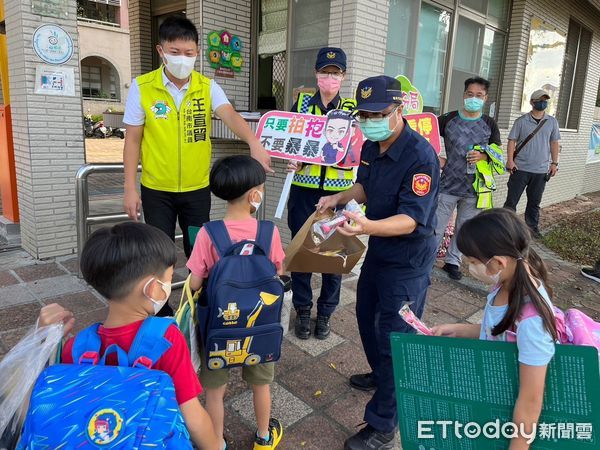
(535, 344)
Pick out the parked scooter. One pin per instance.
(88, 126)
(119, 132)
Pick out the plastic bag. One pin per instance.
(323, 229)
(19, 370)
(186, 320)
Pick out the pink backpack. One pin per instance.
(573, 326)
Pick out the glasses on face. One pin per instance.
(375, 117)
(335, 75)
(469, 94)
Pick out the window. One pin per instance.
(309, 32)
(271, 55)
(107, 11)
(99, 79)
(478, 51)
(545, 54)
(418, 44)
(401, 39)
(91, 81)
(418, 55)
(577, 52)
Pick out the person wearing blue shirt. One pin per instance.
(398, 179)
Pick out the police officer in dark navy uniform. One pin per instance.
(398, 180)
(310, 183)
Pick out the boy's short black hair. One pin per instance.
(177, 28)
(477, 80)
(232, 176)
(115, 258)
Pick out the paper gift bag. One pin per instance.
(338, 254)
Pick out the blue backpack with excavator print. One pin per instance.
(240, 311)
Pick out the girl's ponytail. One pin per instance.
(520, 287)
(499, 232)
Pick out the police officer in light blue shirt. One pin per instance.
(398, 180)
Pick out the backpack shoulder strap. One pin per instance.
(264, 235)
(150, 342)
(527, 311)
(218, 234)
(86, 346)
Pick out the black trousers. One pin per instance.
(163, 209)
(301, 205)
(534, 185)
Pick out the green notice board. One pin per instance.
(468, 380)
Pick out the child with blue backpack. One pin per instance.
(131, 265)
(497, 245)
(239, 180)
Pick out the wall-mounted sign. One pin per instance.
(224, 53)
(51, 8)
(52, 80)
(52, 44)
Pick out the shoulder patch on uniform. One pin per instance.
(421, 184)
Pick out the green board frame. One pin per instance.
(469, 380)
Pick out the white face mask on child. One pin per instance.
(257, 204)
(158, 304)
(479, 271)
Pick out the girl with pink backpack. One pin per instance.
(497, 245)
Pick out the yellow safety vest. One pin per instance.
(175, 150)
(329, 178)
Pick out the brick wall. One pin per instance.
(140, 34)
(233, 16)
(48, 138)
(575, 176)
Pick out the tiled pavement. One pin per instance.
(311, 395)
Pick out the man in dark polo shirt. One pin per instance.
(398, 180)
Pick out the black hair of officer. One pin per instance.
(233, 176)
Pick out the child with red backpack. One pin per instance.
(497, 245)
(241, 258)
(85, 400)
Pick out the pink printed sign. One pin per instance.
(426, 124)
(322, 140)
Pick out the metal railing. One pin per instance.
(84, 220)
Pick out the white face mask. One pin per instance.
(158, 304)
(179, 66)
(479, 271)
(257, 204)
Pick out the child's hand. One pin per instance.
(447, 329)
(54, 313)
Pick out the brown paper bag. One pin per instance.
(303, 255)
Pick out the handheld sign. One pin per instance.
(306, 138)
(426, 124)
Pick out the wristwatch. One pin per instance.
(554, 164)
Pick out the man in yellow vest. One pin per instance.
(311, 182)
(168, 117)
